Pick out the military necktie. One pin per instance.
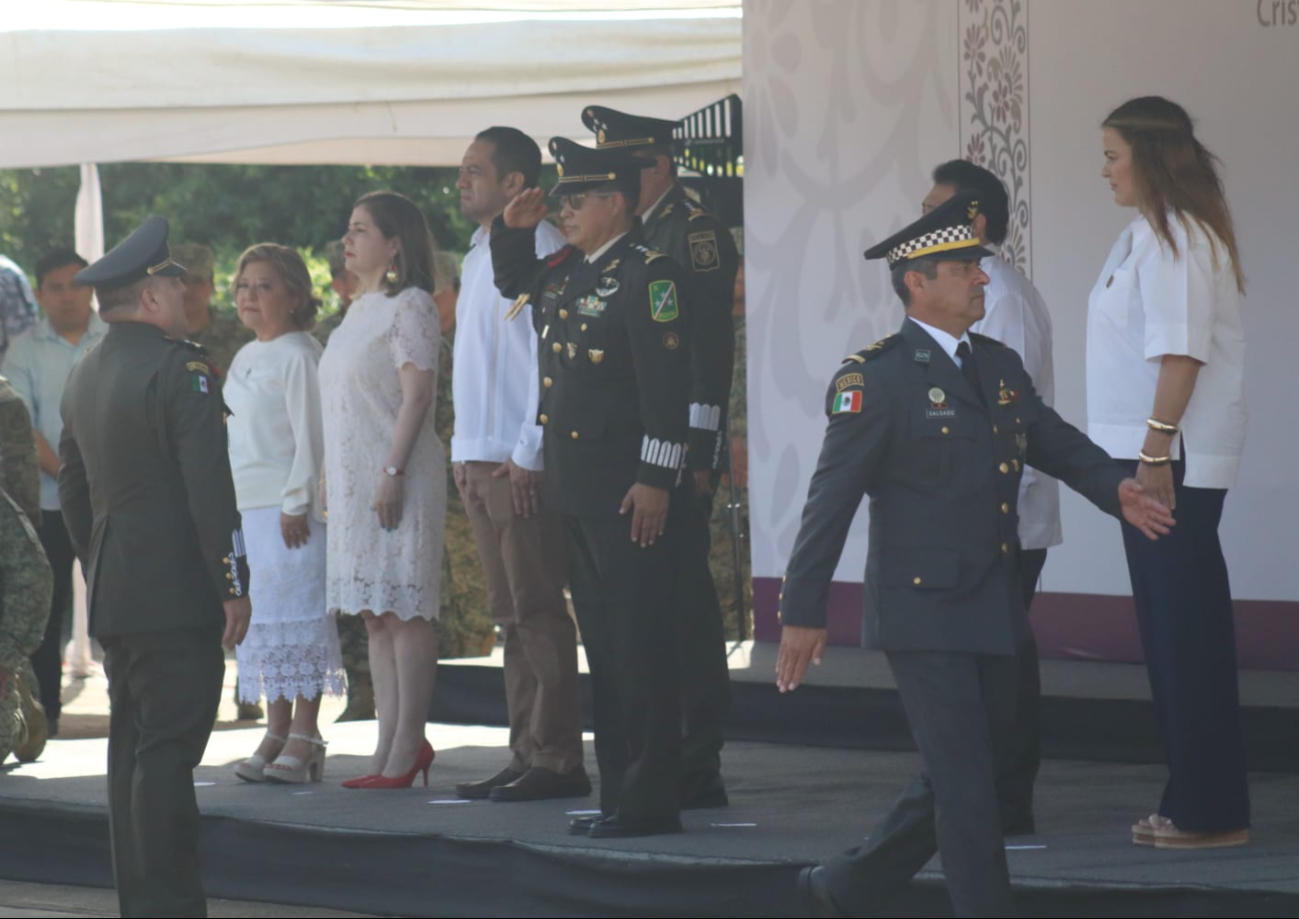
(968, 370)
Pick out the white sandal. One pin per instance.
(253, 769)
(289, 770)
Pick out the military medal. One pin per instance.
(937, 398)
(608, 287)
(572, 350)
(1006, 396)
(591, 305)
(596, 355)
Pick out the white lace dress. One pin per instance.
(369, 568)
(276, 451)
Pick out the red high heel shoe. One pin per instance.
(423, 760)
(361, 781)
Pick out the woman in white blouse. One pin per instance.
(1165, 391)
(276, 453)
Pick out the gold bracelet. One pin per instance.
(1161, 427)
(1154, 460)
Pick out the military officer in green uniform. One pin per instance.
(676, 225)
(220, 334)
(26, 585)
(935, 424)
(613, 324)
(20, 473)
(146, 490)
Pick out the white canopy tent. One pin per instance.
(294, 82)
(381, 82)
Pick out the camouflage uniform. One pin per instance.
(465, 626)
(223, 336)
(722, 557)
(20, 474)
(26, 588)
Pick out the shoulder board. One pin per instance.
(985, 340)
(873, 351)
(697, 210)
(189, 345)
(557, 258)
(650, 254)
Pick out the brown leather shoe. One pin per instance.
(37, 727)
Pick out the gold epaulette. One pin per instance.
(875, 350)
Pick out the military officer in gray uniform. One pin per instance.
(146, 490)
(613, 323)
(935, 425)
(676, 225)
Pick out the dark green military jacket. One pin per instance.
(942, 470)
(145, 484)
(614, 339)
(681, 229)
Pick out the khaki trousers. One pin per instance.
(524, 563)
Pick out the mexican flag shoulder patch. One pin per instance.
(847, 402)
(663, 301)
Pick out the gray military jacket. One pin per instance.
(942, 470)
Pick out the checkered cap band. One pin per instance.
(955, 237)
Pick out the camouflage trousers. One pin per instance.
(22, 721)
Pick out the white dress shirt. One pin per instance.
(1015, 315)
(494, 382)
(277, 444)
(1148, 303)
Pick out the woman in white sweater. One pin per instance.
(276, 453)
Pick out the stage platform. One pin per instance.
(1091, 710)
(418, 852)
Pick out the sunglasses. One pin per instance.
(575, 202)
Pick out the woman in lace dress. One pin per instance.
(385, 479)
(276, 451)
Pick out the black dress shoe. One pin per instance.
(811, 884)
(540, 783)
(620, 827)
(709, 793)
(581, 826)
(478, 790)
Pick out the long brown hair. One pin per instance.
(396, 215)
(1172, 170)
(293, 274)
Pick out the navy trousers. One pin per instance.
(1183, 601)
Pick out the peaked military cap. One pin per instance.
(944, 232)
(618, 129)
(143, 254)
(582, 169)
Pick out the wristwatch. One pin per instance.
(393, 471)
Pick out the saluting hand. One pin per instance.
(799, 646)
(239, 613)
(526, 210)
(1143, 511)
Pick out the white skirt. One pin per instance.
(291, 648)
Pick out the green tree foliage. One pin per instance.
(225, 206)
